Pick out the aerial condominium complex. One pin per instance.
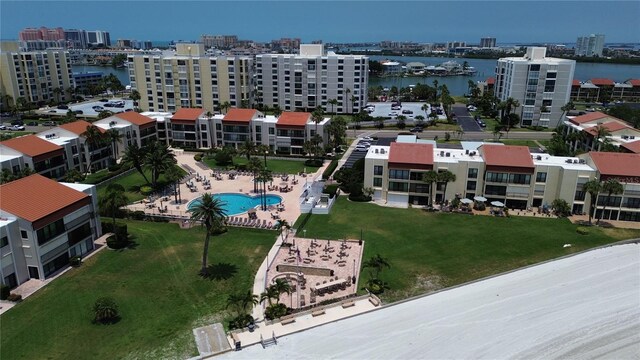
(312, 78)
(43, 224)
(36, 76)
(189, 78)
(541, 85)
(509, 174)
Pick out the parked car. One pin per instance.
(32, 123)
(17, 128)
(104, 100)
(49, 123)
(416, 129)
(482, 124)
(361, 148)
(5, 114)
(17, 122)
(396, 107)
(366, 138)
(3, 127)
(97, 108)
(407, 112)
(393, 113)
(63, 107)
(79, 112)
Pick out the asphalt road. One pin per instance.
(469, 136)
(465, 120)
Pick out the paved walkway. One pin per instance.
(29, 287)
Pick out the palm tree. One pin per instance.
(593, 188)
(376, 263)
(57, 91)
(400, 122)
(601, 133)
(95, 138)
(269, 294)
(135, 156)
(430, 177)
(317, 116)
(115, 136)
(254, 165)
(247, 149)
(158, 158)
(446, 177)
(425, 108)
(113, 199)
(265, 175)
(240, 302)
(566, 108)
(611, 187)
(283, 225)
(334, 104)
(435, 95)
(419, 120)
(434, 117)
(135, 96)
(173, 175)
(353, 103)
(276, 110)
(345, 99)
(71, 91)
(281, 286)
(211, 213)
(225, 106)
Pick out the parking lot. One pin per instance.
(87, 108)
(357, 155)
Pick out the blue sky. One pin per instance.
(338, 21)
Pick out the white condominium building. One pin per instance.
(189, 77)
(542, 86)
(312, 78)
(591, 45)
(36, 76)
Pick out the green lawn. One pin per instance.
(12, 134)
(275, 165)
(157, 287)
(530, 143)
(132, 183)
(449, 249)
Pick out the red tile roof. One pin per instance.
(240, 115)
(602, 81)
(634, 82)
(491, 81)
(35, 197)
(575, 82)
(507, 156)
(611, 126)
(588, 117)
(616, 164)
(411, 154)
(31, 145)
(293, 119)
(78, 127)
(136, 118)
(633, 146)
(188, 114)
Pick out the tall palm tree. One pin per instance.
(283, 225)
(345, 99)
(334, 104)
(265, 175)
(225, 106)
(601, 133)
(113, 199)
(135, 96)
(611, 187)
(435, 95)
(115, 136)
(353, 103)
(276, 110)
(173, 175)
(446, 177)
(248, 148)
(317, 116)
(425, 108)
(71, 91)
(430, 177)
(254, 165)
(158, 158)
(135, 156)
(241, 301)
(593, 188)
(211, 213)
(95, 138)
(269, 294)
(401, 122)
(281, 286)
(57, 91)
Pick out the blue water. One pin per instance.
(235, 204)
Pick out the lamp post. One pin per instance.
(305, 233)
(354, 272)
(264, 185)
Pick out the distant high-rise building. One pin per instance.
(488, 42)
(591, 45)
(43, 33)
(302, 82)
(76, 38)
(98, 37)
(542, 86)
(219, 41)
(188, 78)
(287, 45)
(34, 75)
(456, 44)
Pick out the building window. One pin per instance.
(23, 234)
(471, 185)
(399, 174)
(271, 131)
(398, 186)
(377, 170)
(50, 231)
(377, 181)
(472, 173)
(4, 241)
(541, 177)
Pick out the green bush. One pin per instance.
(146, 190)
(359, 197)
(376, 286)
(114, 167)
(330, 169)
(105, 311)
(582, 230)
(331, 190)
(137, 215)
(313, 162)
(275, 311)
(241, 321)
(4, 292)
(75, 261)
(14, 297)
(121, 236)
(197, 157)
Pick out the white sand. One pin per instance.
(586, 306)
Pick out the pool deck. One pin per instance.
(242, 184)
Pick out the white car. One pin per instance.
(361, 148)
(367, 138)
(2, 127)
(17, 128)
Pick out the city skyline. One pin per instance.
(355, 21)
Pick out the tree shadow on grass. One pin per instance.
(220, 271)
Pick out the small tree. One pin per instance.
(592, 187)
(561, 208)
(611, 187)
(105, 311)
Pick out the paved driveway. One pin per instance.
(465, 120)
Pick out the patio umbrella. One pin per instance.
(284, 184)
(497, 204)
(466, 201)
(480, 198)
(251, 211)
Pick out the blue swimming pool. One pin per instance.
(235, 204)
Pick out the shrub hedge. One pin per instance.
(330, 169)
